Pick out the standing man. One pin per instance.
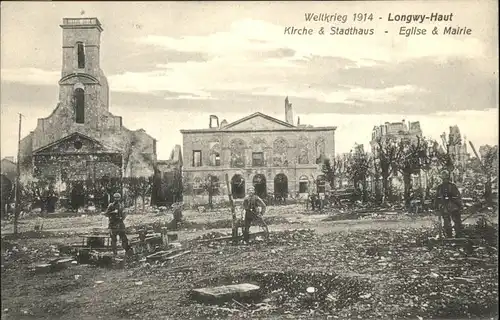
(254, 210)
(116, 225)
(449, 205)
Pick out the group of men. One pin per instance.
(448, 204)
(253, 205)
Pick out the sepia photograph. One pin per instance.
(249, 159)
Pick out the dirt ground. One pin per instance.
(377, 268)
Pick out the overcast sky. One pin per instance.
(171, 65)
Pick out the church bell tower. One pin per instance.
(83, 88)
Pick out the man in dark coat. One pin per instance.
(254, 210)
(116, 226)
(449, 205)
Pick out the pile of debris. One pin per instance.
(297, 292)
(212, 235)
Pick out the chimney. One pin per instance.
(213, 117)
(288, 112)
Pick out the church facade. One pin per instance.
(275, 157)
(81, 144)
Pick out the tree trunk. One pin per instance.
(143, 197)
(407, 184)
(488, 190)
(210, 197)
(365, 193)
(385, 186)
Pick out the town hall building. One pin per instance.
(81, 143)
(274, 156)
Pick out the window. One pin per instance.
(79, 105)
(237, 147)
(257, 159)
(196, 158)
(215, 159)
(303, 156)
(303, 187)
(80, 55)
(303, 184)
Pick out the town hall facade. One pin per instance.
(275, 157)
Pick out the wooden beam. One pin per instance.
(234, 226)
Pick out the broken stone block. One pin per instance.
(64, 262)
(43, 268)
(175, 245)
(217, 295)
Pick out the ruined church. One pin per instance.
(81, 146)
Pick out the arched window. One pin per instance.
(215, 155)
(303, 184)
(280, 147)
(80, 51)
(320, 150)
(237, 147)
(79, 105)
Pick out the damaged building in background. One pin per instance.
(82, 148)
(168, 188)
(276, 157)
(395, 131)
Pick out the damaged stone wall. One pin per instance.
(292, 153)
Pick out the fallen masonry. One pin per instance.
(217, 295)
(226, 238)
(54, 265)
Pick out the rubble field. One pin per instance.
(363, 272)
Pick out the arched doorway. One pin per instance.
(238, 186)
(77, 196)
(281, 185)
(259, 183)
(303, 184)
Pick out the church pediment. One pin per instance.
(257, 121)
(75, 143)
(75, 78)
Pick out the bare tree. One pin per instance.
(412, 158)
(133, 186)
(211, 186)
(358, 171)
(489, 162)
(145, 187)
(387, 154)
(329, 171)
